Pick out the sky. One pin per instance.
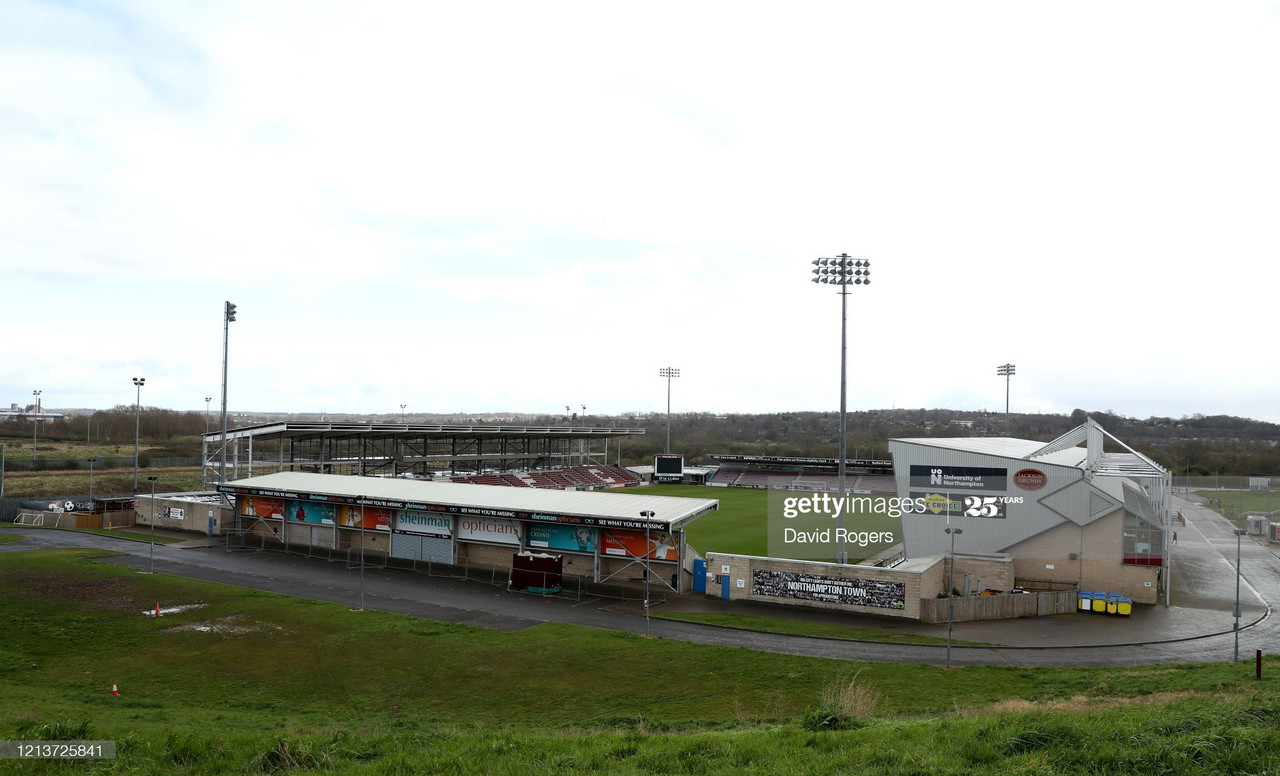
(490, 207)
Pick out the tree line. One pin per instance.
(1198, 445)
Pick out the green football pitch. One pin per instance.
(740, 526)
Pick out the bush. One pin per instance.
(828, 718)
(845, 705)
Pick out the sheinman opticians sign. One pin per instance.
(960, 478)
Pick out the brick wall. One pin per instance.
(1098, 565)
(992, 572)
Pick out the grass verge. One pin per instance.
(253, 682)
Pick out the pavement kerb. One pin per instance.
(971, 646)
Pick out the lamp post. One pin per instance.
(402, 413)
(1006, 371)
(137, 427)
(951, 588)
(648, 551)
(207, 399)
(669, 373)
(1238, 533)
(35, 429)
(228, 315)
(153, 523)
(362, 500)
(843, 271)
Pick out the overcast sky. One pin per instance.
(517, 206)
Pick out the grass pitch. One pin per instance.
(740, 526)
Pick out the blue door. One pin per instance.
(699, 575)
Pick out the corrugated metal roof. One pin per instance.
(1006, 447)
(670, 511)
(303, 429)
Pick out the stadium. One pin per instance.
(1006, 517)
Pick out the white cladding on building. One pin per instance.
(1065, 513)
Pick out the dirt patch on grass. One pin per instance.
(104, 593)
(1085, 703)
(233, 624)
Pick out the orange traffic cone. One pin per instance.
(157, 608)
(114, 690)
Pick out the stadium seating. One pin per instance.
(572, 478)
(766, 479)
(727, 475)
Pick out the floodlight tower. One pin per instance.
(843, 271)
(668, 372)
(228, 315)
(1006, 371)
(137, 427)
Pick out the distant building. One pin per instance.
(18, 411)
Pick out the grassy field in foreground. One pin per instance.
(257, 682)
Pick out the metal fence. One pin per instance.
(1211, 482)
(98, 464)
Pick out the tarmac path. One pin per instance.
(1197, 628)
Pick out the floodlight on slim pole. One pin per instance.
(207, 399)
(362, 553)
(228, 315)
(137, 427)
(951, 586)
(843, 271)
(153, 523)
(1006, 371)
(668, 372)
(35, 428)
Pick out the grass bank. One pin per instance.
(246, 681)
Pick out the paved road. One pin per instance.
(1198, 628)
